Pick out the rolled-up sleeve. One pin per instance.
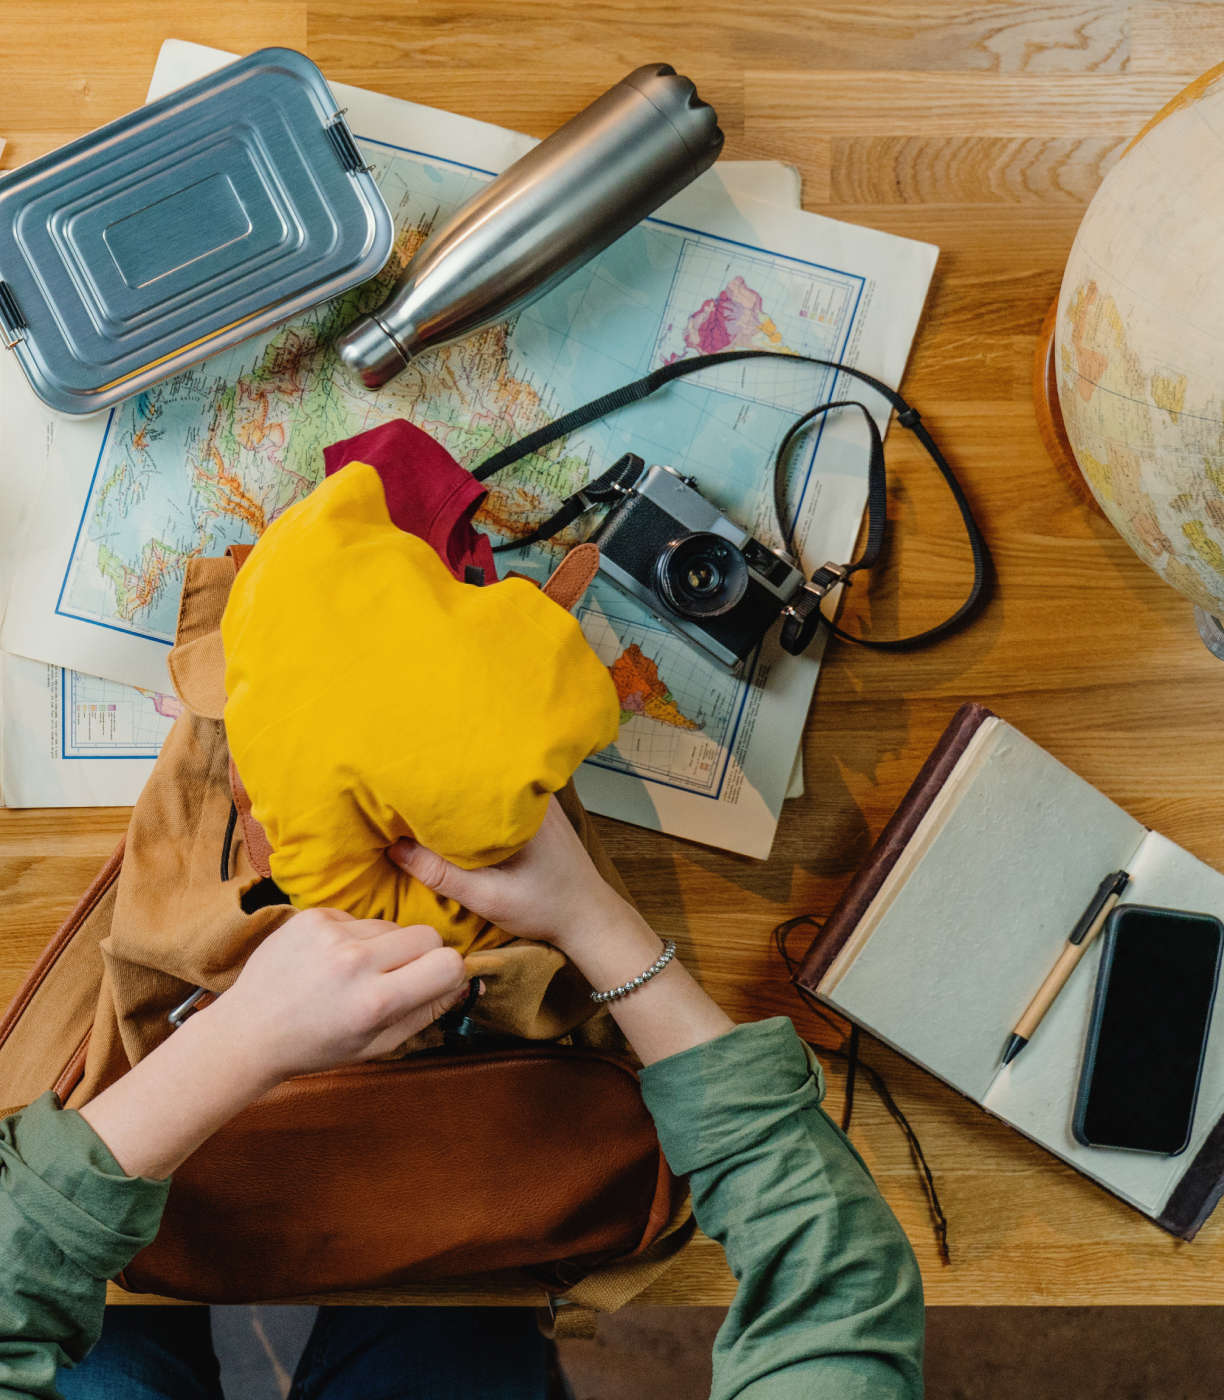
(829, 1302)
(69, 1220)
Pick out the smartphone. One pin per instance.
(1148, 1034)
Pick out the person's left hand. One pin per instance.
(323, 989)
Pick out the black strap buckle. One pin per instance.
(829, 576)
(618, 480)
(801, 618)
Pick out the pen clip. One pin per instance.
(1114, 883)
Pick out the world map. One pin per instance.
(211, 456)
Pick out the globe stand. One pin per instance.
(1211, 629)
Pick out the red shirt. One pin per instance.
(428, 493)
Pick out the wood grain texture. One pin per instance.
(962, 170)
(875, 102)
(69, 65)
(1172, 35)
(983, 129)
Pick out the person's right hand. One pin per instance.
(549, 890)
(326, 989)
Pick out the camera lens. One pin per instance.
(702, 575)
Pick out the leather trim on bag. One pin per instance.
(254, 838)
(73, 1070)
(84, 906)
(573, 575)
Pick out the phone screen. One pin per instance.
(1158, 971)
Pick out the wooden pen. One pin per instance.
(1079, 941)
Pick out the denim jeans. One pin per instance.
(352, 1354)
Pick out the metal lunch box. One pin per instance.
(183, 227)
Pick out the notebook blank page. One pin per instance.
(969, 937)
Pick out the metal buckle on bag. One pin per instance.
(185, 1008)
(458, 1028)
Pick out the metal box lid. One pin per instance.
(186, 226)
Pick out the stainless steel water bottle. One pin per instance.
(550, 212)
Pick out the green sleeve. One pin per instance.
(69, 1220)
(829, 1302)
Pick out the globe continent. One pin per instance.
(1139, 343)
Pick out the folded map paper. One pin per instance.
(71, 739)
(209, 457)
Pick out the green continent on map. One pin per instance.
(135, 586)
(642, 691)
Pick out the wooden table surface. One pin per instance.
(982, 128)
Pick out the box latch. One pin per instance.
(341, 138)
(12, 322)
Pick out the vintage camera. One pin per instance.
(664, 544)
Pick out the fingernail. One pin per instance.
(481, 989)
(401, 850)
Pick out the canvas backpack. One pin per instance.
(517, 1147)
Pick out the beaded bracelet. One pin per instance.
(668, 953)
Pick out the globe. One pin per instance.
(1138, 351)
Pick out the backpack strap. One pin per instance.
(254, 838)
(615, 1284)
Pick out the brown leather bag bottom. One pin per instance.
(439, 1165)
(329, 1183)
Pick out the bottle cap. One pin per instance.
(369, 350)
(675, 97)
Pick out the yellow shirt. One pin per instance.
(373, 696)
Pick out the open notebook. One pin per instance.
(963, 907)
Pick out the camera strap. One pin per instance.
(803, 617)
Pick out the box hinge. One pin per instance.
(341, 138)
(12, 322)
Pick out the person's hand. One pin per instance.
(326, 989)
(550, 890)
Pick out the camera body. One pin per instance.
(709, 580)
